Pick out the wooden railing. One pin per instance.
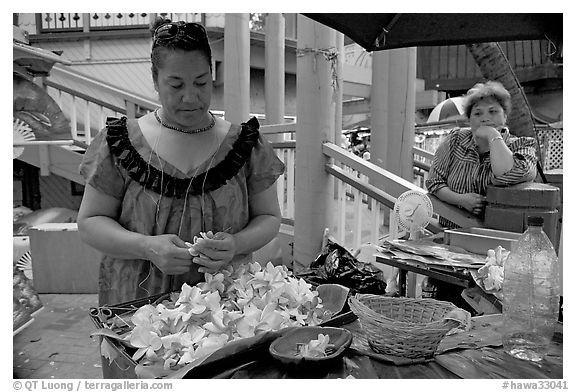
(87, 113)
(101, 23)
(286, 151)
(362, 208)
(422, 162)
(74, 21)
(369, 204)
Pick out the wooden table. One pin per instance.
(456, 277)
(486, 360)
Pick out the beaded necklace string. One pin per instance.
(189, 131)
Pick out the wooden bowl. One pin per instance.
(285, 348)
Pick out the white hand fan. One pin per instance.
(412, 213)
(24, 264)
(21, 133)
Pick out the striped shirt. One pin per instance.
(458, 165)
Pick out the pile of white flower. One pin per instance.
(492, 273)
(229, 305)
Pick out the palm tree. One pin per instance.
(494, 65)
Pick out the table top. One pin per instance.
(457, 276)
(470, 354)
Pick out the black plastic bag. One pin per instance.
(336, 265)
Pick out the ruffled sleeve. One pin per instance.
(99, 168)
(264, 167)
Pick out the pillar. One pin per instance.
(274, 71)
(393, 104)
(316, 101)
(237, 67)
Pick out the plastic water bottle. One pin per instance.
(531, 294)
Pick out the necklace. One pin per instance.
(198, 130)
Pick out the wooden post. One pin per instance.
(402, 111)
(332, 183)
(316, 103)
(236, 68)
(274, 86)
(290, 25)
(379, 106)
(339, 93)
(393, 106)
(86, 42)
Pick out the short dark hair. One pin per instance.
(489, 89)
(160, 46)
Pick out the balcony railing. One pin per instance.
(60, 22)
(74, 22)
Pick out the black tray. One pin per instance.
(124, 366)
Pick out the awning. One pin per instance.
(375, 31)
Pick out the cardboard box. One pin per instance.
(479, 240)
(61, 262)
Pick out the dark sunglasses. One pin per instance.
(191, 32)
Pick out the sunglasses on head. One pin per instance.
(191, 32)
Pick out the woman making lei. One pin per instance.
(154, 183)
(470, 159)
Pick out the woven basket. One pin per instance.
(404, 327)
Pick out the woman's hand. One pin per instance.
(215, 253)
(487, 133)
(169, 253)
(473, 202)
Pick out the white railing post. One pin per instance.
(102, 117)
(341, 221)
(281, 183)
(73, 119)
(86, 122)
(290, 182)
(375, 220)
(357, 216)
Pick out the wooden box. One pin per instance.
(479, 240)
(61, 262)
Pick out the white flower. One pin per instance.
(147, 342)
(315, 348)
(230, 305)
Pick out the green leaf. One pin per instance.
(112, 335)
(108, 351)
(155, 370)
